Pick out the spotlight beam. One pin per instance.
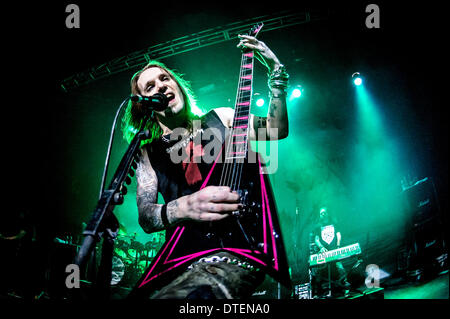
(357, 79)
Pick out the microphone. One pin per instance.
(157, 102)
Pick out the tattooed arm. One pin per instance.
(147, 195)
(211, 203)
(275, 125)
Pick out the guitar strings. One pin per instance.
(231, 174)
(241, 164)
(233, 171)
(225, 170)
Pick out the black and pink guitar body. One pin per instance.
(252, 234)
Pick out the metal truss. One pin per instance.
(188, 43)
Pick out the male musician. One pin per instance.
(215, 276)
(327, 237)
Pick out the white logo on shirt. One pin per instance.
(328, 234)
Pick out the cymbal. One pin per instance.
(129, 237)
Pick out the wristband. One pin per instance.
(279, 78)
(164, 218)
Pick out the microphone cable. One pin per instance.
(108, 153)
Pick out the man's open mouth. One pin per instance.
(170, 97)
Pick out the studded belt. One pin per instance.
(217, 259)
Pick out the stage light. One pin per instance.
(357, 79)
(260, 102)
(296, 93)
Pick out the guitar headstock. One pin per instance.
(255, 29)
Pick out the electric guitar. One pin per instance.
(252, 234)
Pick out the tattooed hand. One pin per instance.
(211, 203)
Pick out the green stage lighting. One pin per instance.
(357, 79)
(260, 102)
(296, 93)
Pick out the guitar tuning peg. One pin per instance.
(128, 180)
(131, 172)
(124, 190)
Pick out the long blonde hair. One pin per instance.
(135, 112)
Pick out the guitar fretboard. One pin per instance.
(238, 143)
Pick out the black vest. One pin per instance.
(254, 235)
(172, 183)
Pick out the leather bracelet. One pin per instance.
(279, 78)
(164, 218)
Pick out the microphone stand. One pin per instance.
(103, 223)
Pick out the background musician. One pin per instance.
(327, 237)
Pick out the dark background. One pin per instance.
(56, 142)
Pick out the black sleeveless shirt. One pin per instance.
(172, 180)
(167, 157)
(235, 235)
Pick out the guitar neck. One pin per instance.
(239, 132)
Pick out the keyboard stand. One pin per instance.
(329, 280)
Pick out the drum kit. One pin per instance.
(132, 257)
